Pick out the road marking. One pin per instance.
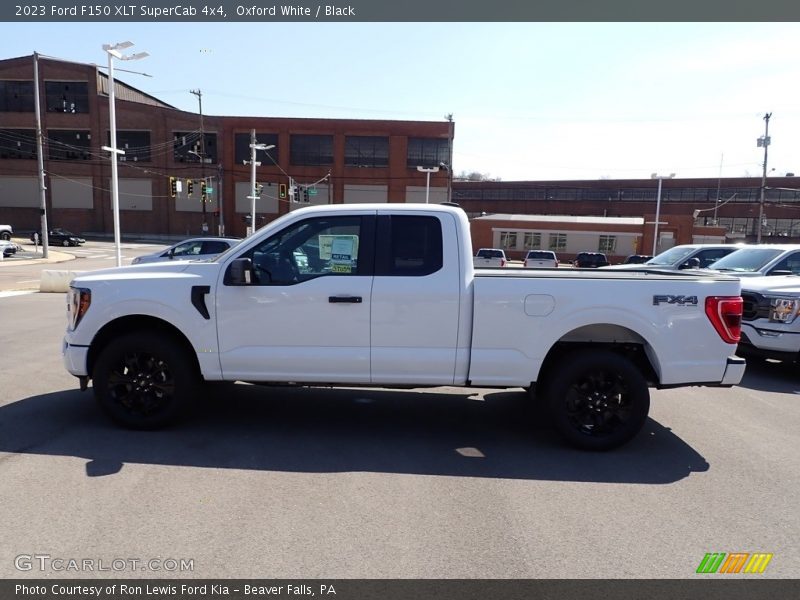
(12, 293)
(29, 281)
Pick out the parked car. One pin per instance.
(637, 259)
(59, 237)
(540, 259)
(193, 249)
(590, 260)
(8, 248)
(489, 257)
(763, 259)
(5, 232)
(686, 256)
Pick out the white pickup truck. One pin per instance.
(6, 232)
(386, 295)
(771, 317)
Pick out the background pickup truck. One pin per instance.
(387, 296)
(6, 232)
(487, 258)
(771, 317)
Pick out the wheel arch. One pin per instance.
(137, 323)
(605, 336)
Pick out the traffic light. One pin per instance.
(189, 186)
(305, 195)
(203, 190)
(173, 186)
(282, 191)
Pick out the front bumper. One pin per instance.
(75, 359)
(771, 340)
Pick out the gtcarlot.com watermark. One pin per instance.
(55, 564)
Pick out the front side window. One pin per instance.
(324, 246)
(188, 249)
(789, 264)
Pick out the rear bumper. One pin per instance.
(734, 371)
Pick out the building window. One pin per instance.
(607, 244)
(558, 242)
(187, 147)
(67, 96)
(17, 143)
(16, 96)
(68, 145)
(508, 240)
(311, 150)
(366, 151)
(241, 148)
(427, 152)
(531, 241)
(136, 145)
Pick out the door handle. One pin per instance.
(344, 299)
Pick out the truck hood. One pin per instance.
(150, 271)
(784, 284)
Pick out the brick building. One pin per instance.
(331, 161)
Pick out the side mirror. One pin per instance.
(240, 272)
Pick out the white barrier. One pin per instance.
(57, 281)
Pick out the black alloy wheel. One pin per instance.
(144, 380)
(598, 400)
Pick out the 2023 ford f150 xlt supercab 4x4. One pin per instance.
(387, 296)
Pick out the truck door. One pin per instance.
(305, 317)
(415, 299)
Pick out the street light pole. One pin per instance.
(763, 141)
(113, 51)
(658, 207)
(253, 163)
(428, 183)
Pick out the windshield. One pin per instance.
(672, 256)
(746, 260)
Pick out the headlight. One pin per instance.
(783, 310)
(78, 301)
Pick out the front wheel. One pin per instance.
(598, 400)
(5, 235)
(65, 243)
(144, 380)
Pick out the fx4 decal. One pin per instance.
(680, 300)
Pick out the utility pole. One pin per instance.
(45, 232)
(763, 141)
(199, 95)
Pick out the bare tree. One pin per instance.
(475, 176)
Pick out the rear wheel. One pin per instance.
(144, 380)
(598, 400)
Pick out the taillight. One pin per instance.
(725, 314)
(502, 262)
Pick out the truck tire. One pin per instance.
(5, 235)
(144, 380)
(597, 400)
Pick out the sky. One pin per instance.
(530, 101)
